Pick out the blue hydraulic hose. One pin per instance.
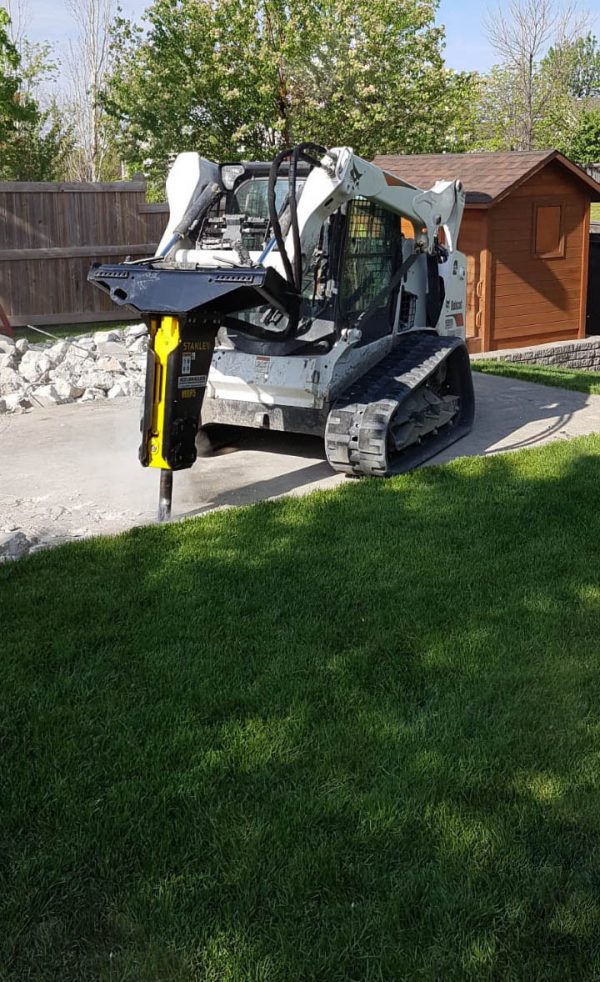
(266, 250)
(165, 252)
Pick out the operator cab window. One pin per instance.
(372, 253)
(250, 197)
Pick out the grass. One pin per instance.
(349, 737)
(564, 378)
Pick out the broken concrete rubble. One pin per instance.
(68, 391)
(103, 337)
(96, 379)
(140, 344)
(15, 544)
(10, 381)
(34, 375)
(46, 395)
(15, 401)
(91, 394)
(6, 344)
(136, 331)
(35, 365)
(109, 364)
(8, 360)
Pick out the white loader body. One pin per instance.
(267, 382)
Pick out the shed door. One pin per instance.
(593, 296)
(471, 240)
(473, 288)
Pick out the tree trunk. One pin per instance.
(282, 96)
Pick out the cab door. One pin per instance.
(371, 254)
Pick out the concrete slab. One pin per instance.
(71, 471)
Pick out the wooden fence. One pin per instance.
(594, 171)
(51, 233)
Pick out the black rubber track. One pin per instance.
(399, 414)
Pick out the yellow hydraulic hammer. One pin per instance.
(179, 356)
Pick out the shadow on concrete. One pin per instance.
(228, 439)
(510, 415)
(271, 487)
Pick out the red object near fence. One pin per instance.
(5, 323)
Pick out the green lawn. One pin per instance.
(350, 737)
(564, 378)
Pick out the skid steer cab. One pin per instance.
(316, 294)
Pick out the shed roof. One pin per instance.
(487, 177)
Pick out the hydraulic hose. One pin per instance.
(274, 217)
(193, 215)
(304, 152)
(294, 219)
(197, 208)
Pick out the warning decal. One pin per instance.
(191, 382)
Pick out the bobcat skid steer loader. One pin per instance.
(318, 294)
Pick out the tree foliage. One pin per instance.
(14, 109)
(541, 93)
(33, 139)
(578, 64)
(583, 145)
(525, 95)
(87, 65)
(242, 78)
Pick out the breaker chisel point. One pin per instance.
(165, 495)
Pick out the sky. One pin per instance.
(467, 47)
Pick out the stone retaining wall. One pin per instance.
(583, 354)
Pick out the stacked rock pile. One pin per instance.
(104, 365)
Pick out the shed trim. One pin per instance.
(537, 167)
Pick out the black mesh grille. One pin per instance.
(408, 308)
(373, 240)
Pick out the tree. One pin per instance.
(584, 144)
(578, 63)
(32, 138)
(519, 93)
(40, 148)
(573, 71)
(246, 77)
(13, 108)
(88, 66)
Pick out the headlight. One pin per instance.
(230, 174)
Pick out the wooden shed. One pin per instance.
(525, 233)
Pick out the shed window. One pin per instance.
(549, 239)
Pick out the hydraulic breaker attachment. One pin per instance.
(184, 309)
(179, 356)
(215, 291)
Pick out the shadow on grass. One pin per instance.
(351, 737)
